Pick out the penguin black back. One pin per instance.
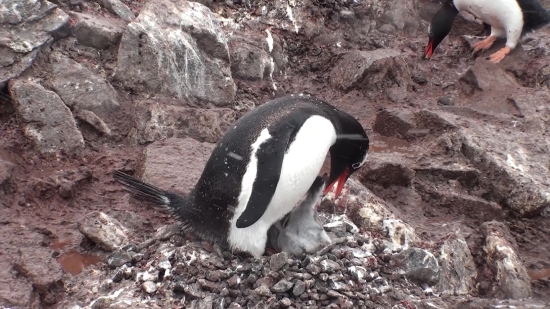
(535, 15)
(221, 180)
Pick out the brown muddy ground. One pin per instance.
(35, 215)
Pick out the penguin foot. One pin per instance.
(500, 54)
(485, 44)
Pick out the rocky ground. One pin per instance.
(451, 211)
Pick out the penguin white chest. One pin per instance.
(301, 164)
(500, 14)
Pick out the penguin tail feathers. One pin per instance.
(145, 192)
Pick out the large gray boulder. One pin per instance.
(48, 122)
(25, 25)
(176, 48)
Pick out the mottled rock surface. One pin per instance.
(176, 47)
(49, 124)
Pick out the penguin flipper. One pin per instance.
(270, 157)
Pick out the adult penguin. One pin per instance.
(510, 19)
(261, 168)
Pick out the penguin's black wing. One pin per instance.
(270, 157)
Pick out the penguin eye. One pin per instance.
(285, 220)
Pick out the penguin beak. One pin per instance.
(429, 49)
(341, 181)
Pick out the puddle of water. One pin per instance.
(384, 144)
(74, 262)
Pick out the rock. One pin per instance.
(15, 293)
(119, 8)
(166, 231)
(92, 119)
(42, 270)
(25, 26)
(278, 261)
(457, 268)
(329, 266)
(263, 290)
(176, 48)
(510, 275)
(6, 179)
(48, 122)
(119, 258)
(369, 70)
(299, 288)
(285, 302)
(96, 31)
(162, 162)
(446, 100)
(387, 169)
(282, 286)
(154, 121)
(149, 287)
(418, 265)
(395, 123)
(373, 214)
(250, 60)
(511, 163)
(404, 15)
(79, 87)
(105, 231)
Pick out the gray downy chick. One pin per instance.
(300, 231)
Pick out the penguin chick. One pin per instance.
(300, 231)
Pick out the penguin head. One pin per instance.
(347, 155)
(440, 26)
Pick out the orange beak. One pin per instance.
(429, 49)
(341, 181)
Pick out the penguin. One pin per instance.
(261, 168)
(510, 19)
(300, 231)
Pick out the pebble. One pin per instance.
(278, 261)
(285, 302)
(282, 286)
(299, 288)
(446, 100)
(149, 287)
(263, 290)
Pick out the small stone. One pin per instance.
(282, 286)
(193, 290)
(119, 258)
(263, 290)
(278, 261)
(333, 294)
(329, 266)
(137, 257)
(233, 281)
(313, 269)
(446, 100)
(338, 286)
(387, 28)
(252, 278)
(419, 78)
(234, 305)
(299, 288)
(102, 302)
(164, 264)
(149, 287)
(166, 231)
(209, 286)
(285, 302)
(224, 292)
